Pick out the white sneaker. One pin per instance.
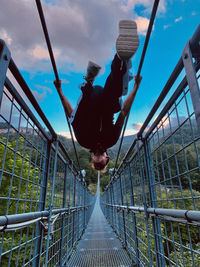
(127, 42)
(92, 71)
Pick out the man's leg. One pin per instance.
(117, 82)
(113, 88)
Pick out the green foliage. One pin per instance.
(19, 178)
(17, 188)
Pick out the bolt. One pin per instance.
(185, 56)
(5, 58)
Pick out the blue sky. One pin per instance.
(87, 30)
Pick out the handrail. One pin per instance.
(189, 215)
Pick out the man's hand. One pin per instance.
(137, 81)
(57, 85)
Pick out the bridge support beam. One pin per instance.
(5, 57)
(187, 56)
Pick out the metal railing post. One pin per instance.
(123, 215)
(160, 259)
(73, 216)
(63, 215)
(134, 216)
(51, 203)
(192, 80)
(5, 56)
(41, 207)
(144, 199)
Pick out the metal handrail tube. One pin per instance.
(25, 217)
(14, 227)
(190, 215)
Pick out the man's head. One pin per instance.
(100, 160)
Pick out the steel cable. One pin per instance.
(48, 42)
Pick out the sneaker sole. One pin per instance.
(127, 42)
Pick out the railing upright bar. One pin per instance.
(42, 205)
(51, 203)
(143, 172)
(160, 260)
(74, 214)
(5, 57)
(63, 215)
(137, 260)
(123, 215)
(192, 80)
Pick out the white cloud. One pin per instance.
(178, 19)
(40, 52)
(130, 132)
(65, 81)
(142, 25)
(148, 4)
(166, 26)
(44, 88)
(39, 96)
(78, 32)
(137, 126)
(5, 36)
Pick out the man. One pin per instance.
(92, 119)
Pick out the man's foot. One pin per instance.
(127, 42)
(92, 71)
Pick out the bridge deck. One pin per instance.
(99, 246)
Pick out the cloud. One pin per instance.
(148, 4)
(166, 26)
(142, 25)
(40, 52)
(65, 81)
(39, 96)
(178, 19)
(137, 126)
(5, 36)
(44, 88)
(130, 132)
(78, 32)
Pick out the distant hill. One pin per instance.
(127, 141)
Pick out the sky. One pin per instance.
(83, 30)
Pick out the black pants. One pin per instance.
(93, 119)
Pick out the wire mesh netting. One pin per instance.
(44, 205)
(156, 190)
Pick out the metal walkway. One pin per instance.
(99, 245)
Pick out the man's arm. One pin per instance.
(65, 102)
(128, 103)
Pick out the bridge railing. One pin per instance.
(44, 203)
(153, 201)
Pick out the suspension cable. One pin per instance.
(153, 14)
(44, 27)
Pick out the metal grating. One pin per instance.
(99, 246)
